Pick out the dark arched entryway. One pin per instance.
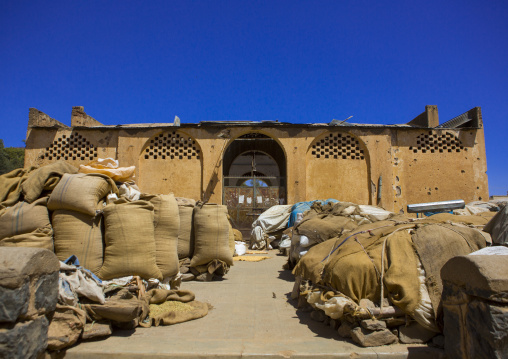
(254, 172)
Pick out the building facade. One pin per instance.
(250, 166)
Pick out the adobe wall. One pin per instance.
(387, 166)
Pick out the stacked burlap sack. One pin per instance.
(376, 277)
(110, 226)
(107, 230)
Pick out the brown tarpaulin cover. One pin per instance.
(354, 268)
(438, 243)
(322, 227)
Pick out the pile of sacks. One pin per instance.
(329, 219)
(97, 216)
(88, 308)
(378, 280)
(110, 226)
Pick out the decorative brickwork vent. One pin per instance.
(338, 146)
(74, 147)
(172, 145)
(432, 142)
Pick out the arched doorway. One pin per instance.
(254, 172)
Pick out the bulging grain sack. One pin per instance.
(211, 235)
(23, 218)
(81, 192)
(231, 239)
(166, 227)
(40, 238)
(130, 242)
(186, 233)
(79, 234)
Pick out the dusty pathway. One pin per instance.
(252, 317)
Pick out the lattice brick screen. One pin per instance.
(432, 142)
(172, 145)
(73, 147)
(338, 146)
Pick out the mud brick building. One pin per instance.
(250, 166)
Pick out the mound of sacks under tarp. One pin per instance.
(371, 272)
(268, 229)
(97, 215)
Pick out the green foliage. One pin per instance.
(11, 158)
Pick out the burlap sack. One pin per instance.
(166, 229)
(24, 217)
(81, 192)
(40, 238)
(211, 229)
(238, 235)
(121, 307)
(186, 233)
(65, 327)
(130, 242)
(79, 234)
(231, 239)
(192, 310)
(45, 178)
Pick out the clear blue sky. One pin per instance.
(295, 61)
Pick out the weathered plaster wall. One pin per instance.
(386, 166)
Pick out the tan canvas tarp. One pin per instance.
(185, 234)
(81, 192)
(211, 230)
(448, 217)
(166, 228)
(130, 242)
(355, 268)
(311, 265)
(438, 243)
(40, 238)
(79, 234)
(320, 228)
(24, 217)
